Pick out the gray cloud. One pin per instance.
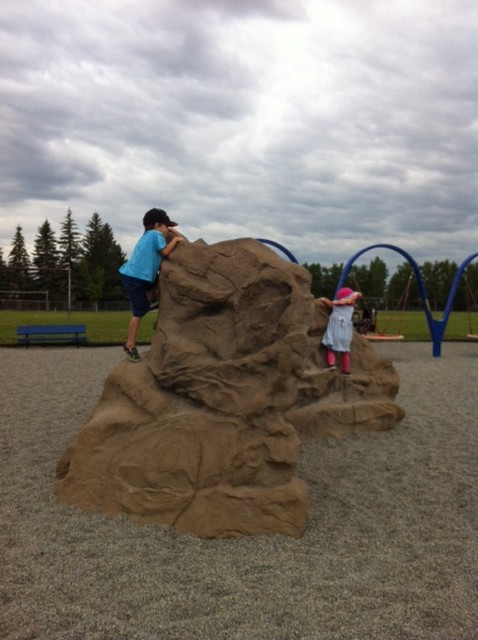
(325, 126)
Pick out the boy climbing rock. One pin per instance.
(139, 275)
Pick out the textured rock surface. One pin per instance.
(204, 434)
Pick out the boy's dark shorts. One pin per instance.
(136, 290)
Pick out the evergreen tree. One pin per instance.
(116, 257)
(19, 263)
(91, 272)
(4, 274)
(69, 245)
(69, 242)
(45, 260)
(102, 257)
(45, 252)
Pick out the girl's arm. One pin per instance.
(326, 301)
(351, 300)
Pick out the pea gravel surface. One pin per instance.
(389, 553)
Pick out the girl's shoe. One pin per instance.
(330, 367)
(132, 354)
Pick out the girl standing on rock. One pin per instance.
(338, 335)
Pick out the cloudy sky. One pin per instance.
(324, 125)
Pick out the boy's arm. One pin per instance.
(172, 245)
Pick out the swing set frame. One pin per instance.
(370, 330)
(436, 326)
(470, 299)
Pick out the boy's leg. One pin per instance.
(152, 289)
(132, 331)
(153, 301)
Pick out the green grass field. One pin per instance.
(413, 324)
(109, 327)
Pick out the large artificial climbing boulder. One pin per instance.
(204, 434)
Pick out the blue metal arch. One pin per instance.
(406, 255)
(291, 256)
(456, 282)
(436, 326)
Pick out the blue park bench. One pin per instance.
(69, 333)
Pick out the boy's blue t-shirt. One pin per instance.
(145, 260)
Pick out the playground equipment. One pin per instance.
(470, 300)
(290, 255)
(436, 326)
(366, 322)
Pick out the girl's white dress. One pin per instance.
(338, 334)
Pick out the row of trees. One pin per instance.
(95, 257)
(400, 290)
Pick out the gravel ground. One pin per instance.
(390, 551)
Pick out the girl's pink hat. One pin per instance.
(346, 293)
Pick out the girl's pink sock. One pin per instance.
(346, 362)
(330, 358)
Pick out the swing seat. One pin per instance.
(365, 324)
(472, 336)
(384, 337)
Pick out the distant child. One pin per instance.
(338, 335)
(139, 275)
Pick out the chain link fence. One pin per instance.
(19, 304)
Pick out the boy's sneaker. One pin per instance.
(132, 353)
